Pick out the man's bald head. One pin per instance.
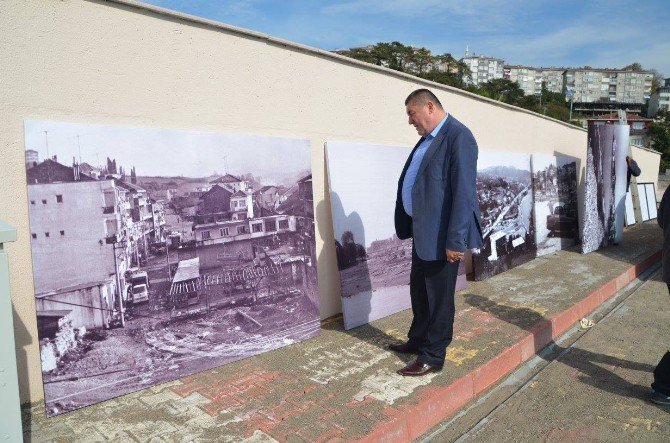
(422, 97)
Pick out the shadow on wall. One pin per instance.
(329, 284)
(23, 341)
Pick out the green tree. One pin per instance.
(659, 137)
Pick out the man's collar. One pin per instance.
(434, 132)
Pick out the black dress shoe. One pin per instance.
(405, 348)
(416, 369)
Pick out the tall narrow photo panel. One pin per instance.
(555, 202)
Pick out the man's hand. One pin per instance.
(453, 256)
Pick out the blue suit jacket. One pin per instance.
(444, 196)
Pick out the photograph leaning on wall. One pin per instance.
(160, 253)
(374, 264)
(604, 186)
(504, 189)
(555, 202)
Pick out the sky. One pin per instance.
(364, 210)
(569, 33)
(169, 152)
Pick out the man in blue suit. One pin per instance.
(437, 207)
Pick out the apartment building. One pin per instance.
(530, 79)
(483, 69)
(660, 100)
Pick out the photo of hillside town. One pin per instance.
(160, 253)
(504, 188)
(555, 209)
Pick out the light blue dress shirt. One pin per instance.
(413, 169)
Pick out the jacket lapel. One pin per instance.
(434, 145)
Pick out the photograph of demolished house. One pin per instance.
(555, 196)
(374, 264)
(160, 253)
(505, 195)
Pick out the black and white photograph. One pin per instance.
(505, 192)
(604, 185)
(555, 198)
(159, 253)
(374, 264)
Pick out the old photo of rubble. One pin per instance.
(504, 189)
(605, 186)
(555, 196)
(160, 253)
(374, 264)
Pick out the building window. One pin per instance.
(205, 235)
(59, 198)
(32, 202)
(283, 224)
(62, 233)
(224, 232)
(257, 227)
(44, 202)
(46, 234)
(270, 226)
(241, 229)
(34, 235)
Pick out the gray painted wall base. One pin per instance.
(10, 412)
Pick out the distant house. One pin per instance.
(267, 196)
(241, 205)
(231, 182)
(639, 126)
(215, 201)
(90, 170)
(32, 158)
(50, 171)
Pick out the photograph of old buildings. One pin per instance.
(160, 253)
(504, 188)
(555, 195)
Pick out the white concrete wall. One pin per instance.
(108, 62)
(649, 162)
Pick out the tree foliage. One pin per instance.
(659, 137)
(441, 68)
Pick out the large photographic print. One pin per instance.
(160, 253)
(504, 188)
(374, 264)
(555, 197)
(604, 186)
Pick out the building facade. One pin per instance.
(660, 100)
(595, 91)
(530, 79)
(483, 69)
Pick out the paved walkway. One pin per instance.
(598, 388)
(342, 385)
